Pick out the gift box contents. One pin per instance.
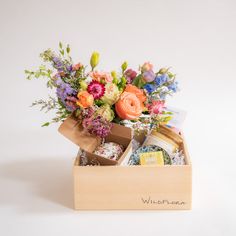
(110, 150)
(156, 149)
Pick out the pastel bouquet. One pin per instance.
(97, 99)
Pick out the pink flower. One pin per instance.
(96, 88)
(156, 107)
(146, 67)
(87, 122)
(101, 76)
(71, 102)
(76, 66)
(130, 75)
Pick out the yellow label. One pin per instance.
(151, 158)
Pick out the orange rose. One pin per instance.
(129, 106)
(138, 92)
(85, 99)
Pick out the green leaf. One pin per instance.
(60, 45)
(167, 113)
(68, 49)
(37, 74)
(99, 102)
(124, 66)
(138, 81)
(27, 72)
(46, 124)
(166, 119)
(62, 52)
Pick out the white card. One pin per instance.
(178, 117)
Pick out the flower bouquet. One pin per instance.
(100, 110)
(97, 99)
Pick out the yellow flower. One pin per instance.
(94, 60)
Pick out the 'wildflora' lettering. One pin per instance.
(167, 202)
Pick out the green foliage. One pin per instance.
(138, 81)
(52, 104)
(45, 124)
(65, 52)
(42, 72)
(167, 113)
(47, 55)
(165, 119)
(121, 85)
(124, 66)
(99, 102)
(46, 105)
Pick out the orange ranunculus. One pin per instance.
(138, 92)
(85, 99)
(129, 106)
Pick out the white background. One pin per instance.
(196, 38)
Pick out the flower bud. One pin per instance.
(124, 66)
(94, 60)
(146, 67)
(83, 85)
(113, 74)
(163, 71)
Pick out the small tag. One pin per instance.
(151, 158)
(178, 117)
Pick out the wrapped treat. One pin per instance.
(152, 158)
(135, 157)
(109, 150)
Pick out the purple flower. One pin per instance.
(161, 79)
(58, 63)
(150, 87)
(63, 91)
(61, 66)
(97, 126)
(69, 68)
(149, 76)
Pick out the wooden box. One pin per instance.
(119, 187)
(119, 134)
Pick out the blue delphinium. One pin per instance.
(164, 91)
(161, 79)
(173, 87)
(150, 88)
